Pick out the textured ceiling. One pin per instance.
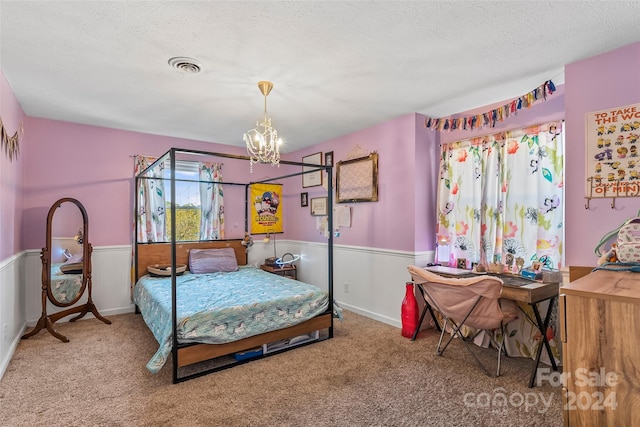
(337, 67)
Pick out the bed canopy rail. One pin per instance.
(185, 354)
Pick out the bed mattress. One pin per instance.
(217, 308)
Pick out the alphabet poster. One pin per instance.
(265, 210)
(613, 165)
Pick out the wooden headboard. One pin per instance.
(160, 253)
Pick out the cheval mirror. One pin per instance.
(66, 266)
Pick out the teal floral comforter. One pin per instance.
(217, 308)
(64, 287)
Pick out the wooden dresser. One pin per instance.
(600, 331)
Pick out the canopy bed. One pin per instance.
(203, 303)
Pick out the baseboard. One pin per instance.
(105, 313)
(370, 314)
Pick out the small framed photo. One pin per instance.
(536, 266)
(319, 206)
(304, 199)
(462, 263)
(312, 179)
(328, 158)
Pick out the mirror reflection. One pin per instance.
(67, 248)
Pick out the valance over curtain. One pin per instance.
(500, 197)
(211, 201)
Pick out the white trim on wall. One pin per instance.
(110, 268)
(12, 308)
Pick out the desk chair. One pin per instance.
(470, 301)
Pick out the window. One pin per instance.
(198, 201)
(188, 206)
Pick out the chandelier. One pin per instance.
(263, 144)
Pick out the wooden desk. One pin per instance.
(521, 290)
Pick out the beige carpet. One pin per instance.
(367, 375)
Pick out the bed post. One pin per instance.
(174, 309)
(330, 244)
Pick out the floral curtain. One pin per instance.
(151, 202)
(211, 201)
(500, 198)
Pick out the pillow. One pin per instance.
(73, 265)
(74, 258)
(212, 260)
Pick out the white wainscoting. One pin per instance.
(110, 267)
(367, 281)
(12, 307)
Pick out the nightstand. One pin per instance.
(290, 270)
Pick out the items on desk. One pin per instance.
(443, 251)
(496, 267)
(530, 273)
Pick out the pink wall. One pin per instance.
(95, 166)
(11, 174)
(426, 163)
(393, 222)
(598, 83)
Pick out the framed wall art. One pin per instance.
(319, 206)
(357, 179)
(304, 199)
(312, 179)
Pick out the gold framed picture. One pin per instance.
(357, 179)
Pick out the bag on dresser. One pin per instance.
(626, 247)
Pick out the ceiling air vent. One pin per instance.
(185, 65)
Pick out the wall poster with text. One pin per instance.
(613, 162)
(265, 208)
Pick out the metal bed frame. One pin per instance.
(171, 155)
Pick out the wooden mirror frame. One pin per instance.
(46, 321)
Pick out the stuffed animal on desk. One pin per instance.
(609, 256)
